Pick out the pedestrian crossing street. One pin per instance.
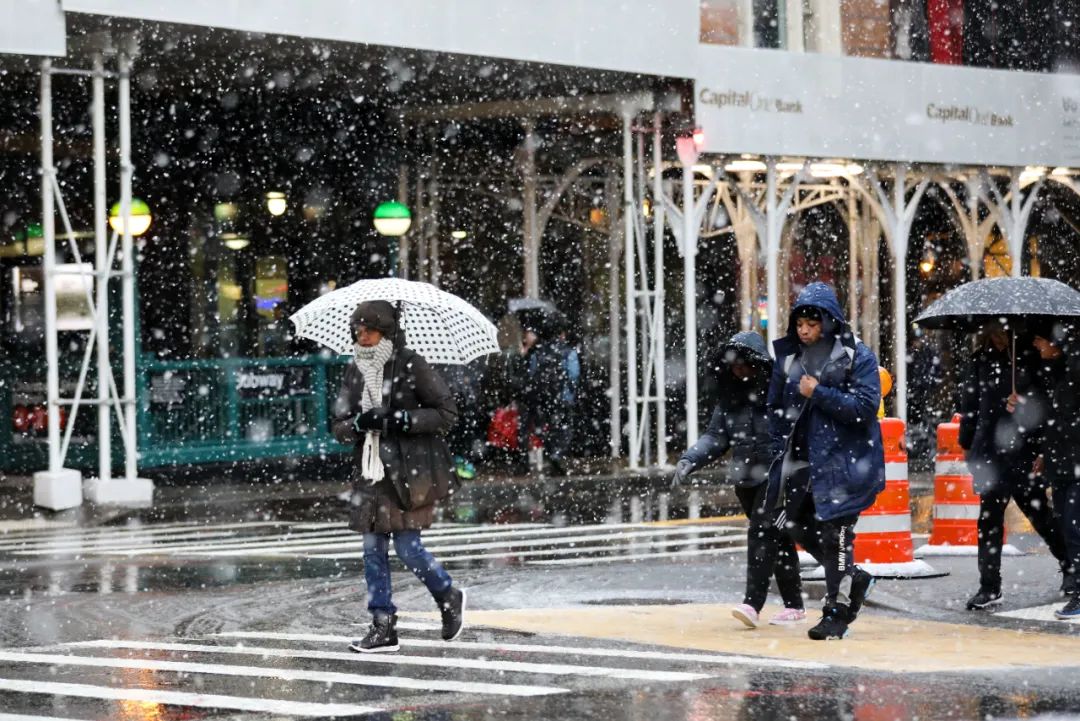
(533, 544)
(314, 674)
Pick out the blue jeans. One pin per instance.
(412, 553)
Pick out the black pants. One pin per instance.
(1067, 508)
(1030, 497)
(768, 551)
(832, 544)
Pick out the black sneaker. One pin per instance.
(862, 585)
(984, 599)
(833, 625)
(452, 608)
(381, 636)
(1071, 610)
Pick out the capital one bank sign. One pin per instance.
(780, 103)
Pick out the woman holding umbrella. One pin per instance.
(1001, 412)
(394, 408)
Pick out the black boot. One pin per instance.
(452, 608)
(381, 636)
(833, 625)
(985, 598)
(862, 583)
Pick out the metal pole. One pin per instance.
(102, 266)
(631, 303)
(614, 349)
(660, 349)
(853, 259)
(1016, 232)
(900, 241)
(48, 226)
(532, 242)
(646, 329)
(772, 252)
(402, 261)
(433, 245)
(690, 236)
(128, 267)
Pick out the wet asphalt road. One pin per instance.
(217, 617)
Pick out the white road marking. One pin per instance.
(285, 674)
(21, 717)
(181, 698)
(532, 542)
(721, 659)
(553, 669)
(1039, 613)
(579, 550)
(350, 540)
(639, 556)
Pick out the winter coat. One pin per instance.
(1061, 428)
(998, 445)
(846, 455)
(419, 469)
(739, 421)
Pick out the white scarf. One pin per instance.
(371, 361)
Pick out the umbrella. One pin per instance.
(438, 325)
(538, 314)
(1011, 301)
(515, 305)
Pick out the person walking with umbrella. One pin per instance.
(1001, 413)
(1059, 351)
(394, 408)
(740, 424)
(829, 461)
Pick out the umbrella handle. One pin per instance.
(1013, 358)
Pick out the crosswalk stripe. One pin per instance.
(545, 535)
(701, 658)
(71, 531)
(553, 669)
(639, 556)
(22, 717)
(560, 541)
(582, 550)
(212, 540)
(183, 698)
(285, 674)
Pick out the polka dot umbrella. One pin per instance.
(438, 325)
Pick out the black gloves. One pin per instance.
(683, 469)
(381, 420)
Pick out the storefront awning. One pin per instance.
(32, 27)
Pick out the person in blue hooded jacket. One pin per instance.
(829, 462)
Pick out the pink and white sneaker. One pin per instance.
(788, 617)
(746, 613)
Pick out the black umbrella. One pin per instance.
(539, 315)
(1012, 302)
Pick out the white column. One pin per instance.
(659, 336)
(825, 27)
(127, 267)
(102, 267)
(746, 23)
(48, 226)
(688, 156)
(614, 342)
(630, 290)
(793, 26)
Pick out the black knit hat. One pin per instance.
(377, 315)
(810, 312)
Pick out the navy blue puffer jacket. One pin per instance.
(847, 459)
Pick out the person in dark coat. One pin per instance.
(1059, 350)
(551, 370)
(1001, 413)
(394, 408)
(740, 424)
(829, 461)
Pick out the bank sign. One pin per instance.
(805, 104)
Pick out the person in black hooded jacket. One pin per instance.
(1002, 411)
(1059, 350)
(739, 423)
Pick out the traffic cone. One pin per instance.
(955, 530)
(883, 545)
